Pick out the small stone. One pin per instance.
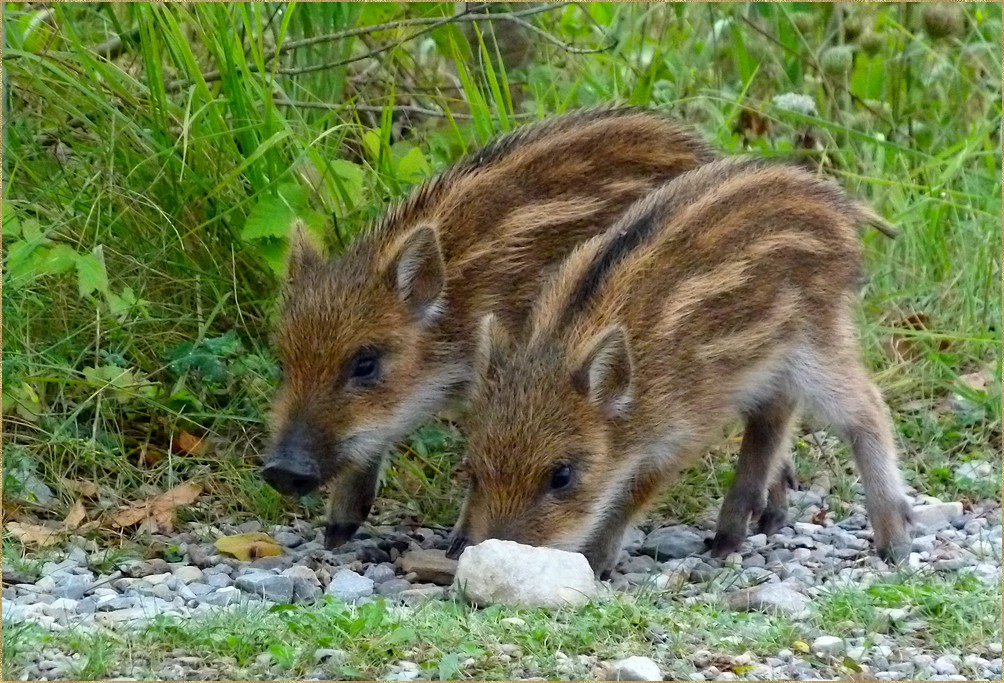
(633, 538)
(673, 542)
(46, 584)
(115, 604)
(348, 586)
(380, 573)
(946, 666)
(633, 669)
(429, 566)
(87, 606)
(930, 518)
(73, 587)
(249, 527)
(509, 573)
(393, 587)
(827, 646)
(219, 580)
(276, 588)
(60, 608)
(287, 539)
(306, 586)
(188, 574)
(419, 594)
(325, 654)
(776, 598)
(272, 562)
(224, 596)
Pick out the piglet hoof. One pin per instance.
(722, 545)
(339, 533)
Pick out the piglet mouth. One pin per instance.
(291, 478)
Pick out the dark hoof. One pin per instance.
(722, 545)
(339, 533)
(771, 520)
(457, 545)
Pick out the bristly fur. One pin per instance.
(503, 219)
(727, 292)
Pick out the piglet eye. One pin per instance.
(365, 366)
(561, 477)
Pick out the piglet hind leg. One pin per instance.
(759, 488)
(841, 392)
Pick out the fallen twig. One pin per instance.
(429, 23)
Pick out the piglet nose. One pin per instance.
(291, 477)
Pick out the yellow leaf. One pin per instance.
(247, 547)
(75, 516)
(800, 646)
(33, 534)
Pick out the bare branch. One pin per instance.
(429, 23)
(376, 109)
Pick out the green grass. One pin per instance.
(146, 208)
(451, 640)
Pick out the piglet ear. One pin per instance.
(304, 256)
(604, 375)
(492, 341)
(418, 274)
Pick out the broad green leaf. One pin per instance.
(349, 179)
(412, 166)
(58, 259)
(91, 273)
(273, 215)
(22, 259)
(11, 225)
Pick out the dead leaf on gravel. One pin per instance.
(33, 534)
(157, 513)
(75, 517)
(247, 547)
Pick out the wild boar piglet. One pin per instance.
(728, 292)
(380, 338)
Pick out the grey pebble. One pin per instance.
(272, 587)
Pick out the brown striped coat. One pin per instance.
(726, 293)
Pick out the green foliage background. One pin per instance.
(156, 155)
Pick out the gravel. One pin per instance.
(783, 573)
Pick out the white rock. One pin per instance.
(633, 669)
(349, 586)
(827, 646)
(772, 598)
(946, 666)
(188, 574)
(518, 575)
(930, 518)
(157, 579)
(974, 471)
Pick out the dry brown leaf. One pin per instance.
(85, 489)
(157, 513)
(189, 444)
(33, 534)
(977, 381)
(247, 547)
(148, 457)
(75, 517)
